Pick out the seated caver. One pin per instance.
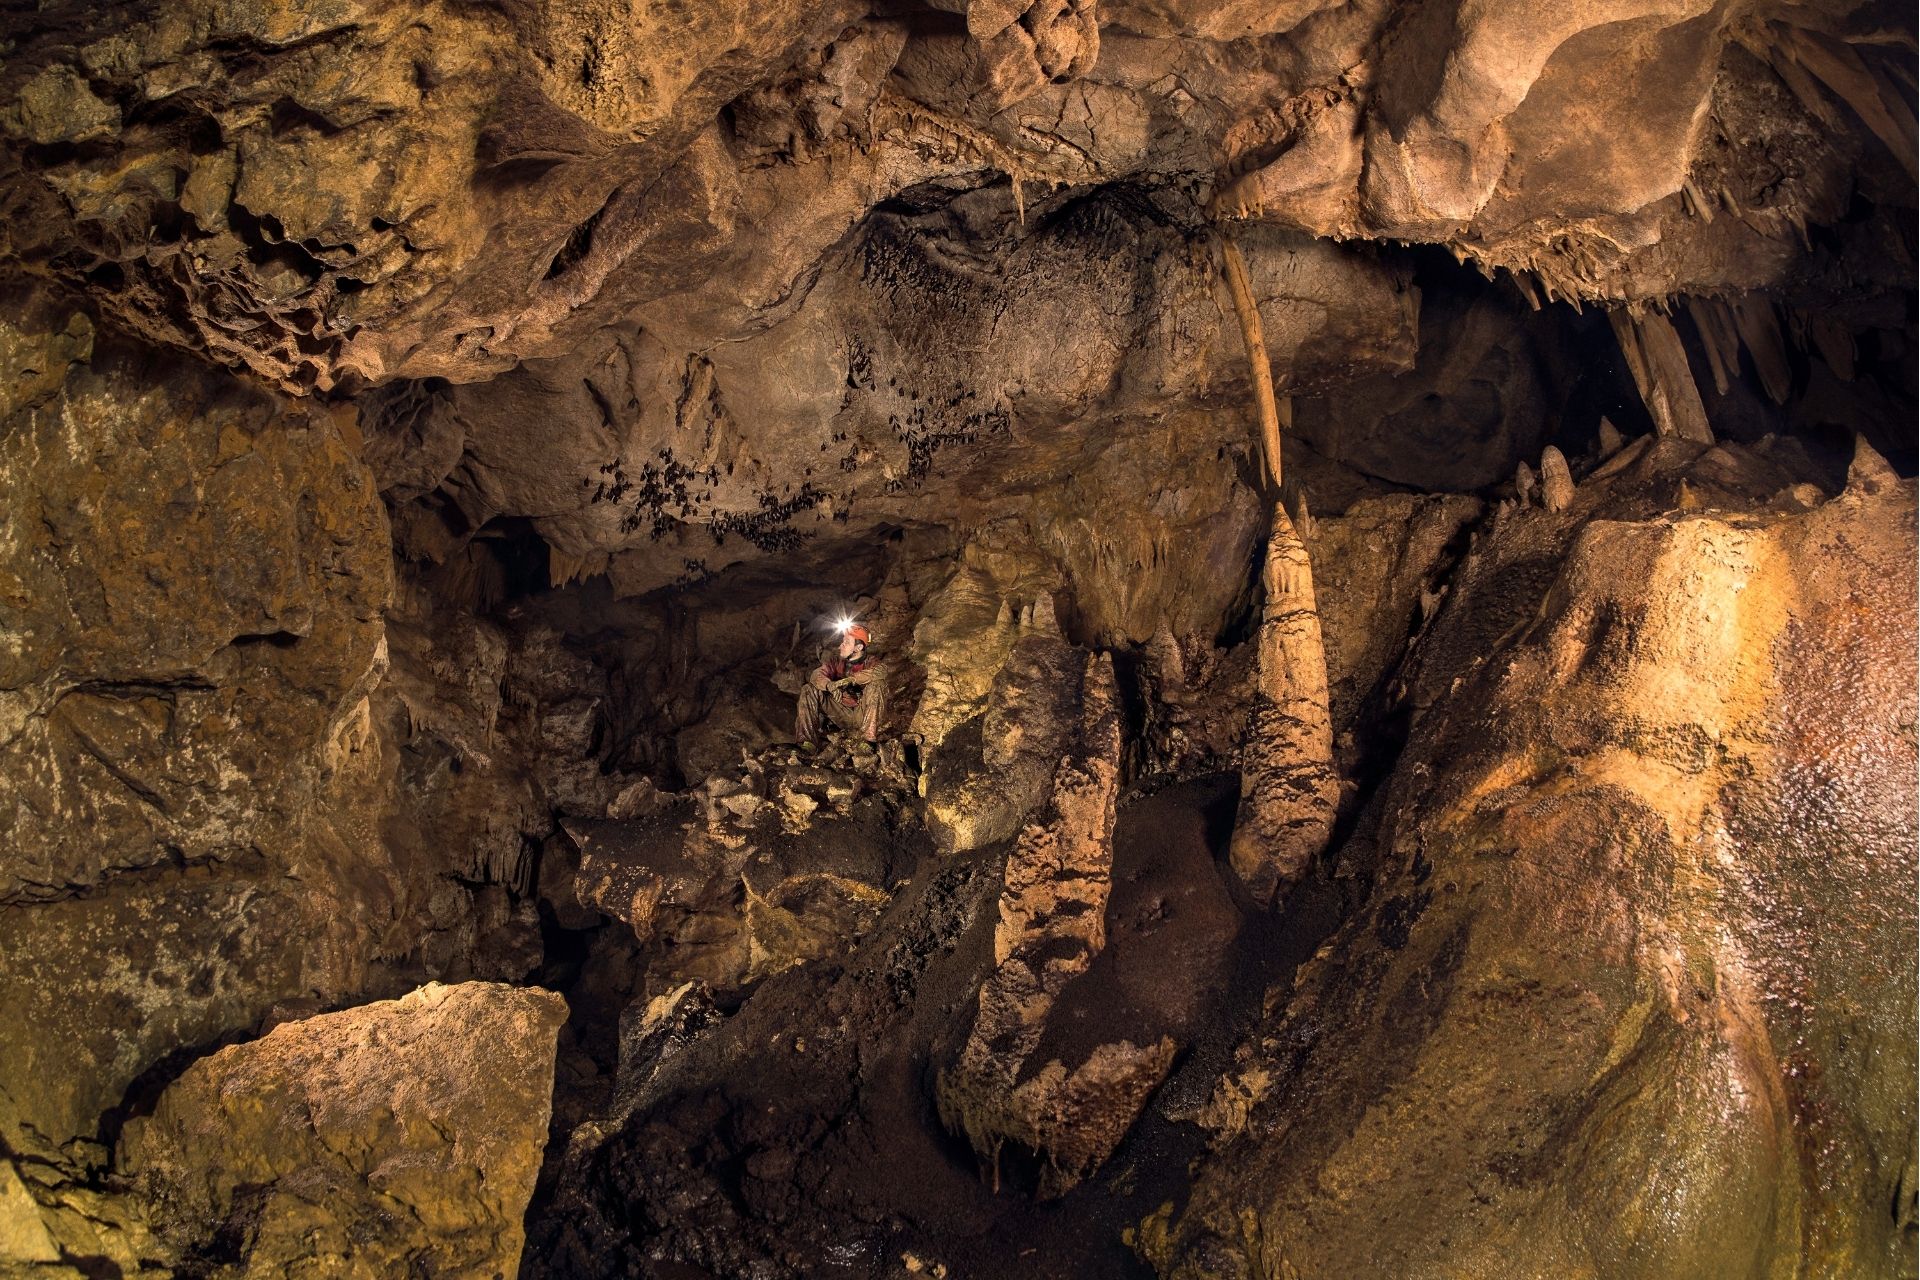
(848, 689)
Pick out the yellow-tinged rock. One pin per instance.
(400, 1134)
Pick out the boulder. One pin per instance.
(398, 1137)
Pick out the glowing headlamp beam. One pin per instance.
(842, 625)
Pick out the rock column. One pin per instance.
(1288, 789)
(1053, 906)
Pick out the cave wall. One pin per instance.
(1624, 878)
(196, 575)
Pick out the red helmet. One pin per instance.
(858, 632)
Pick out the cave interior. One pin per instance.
(1390, 533)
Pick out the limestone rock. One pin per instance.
(404, 1133)
(893, 385)
(156, 662)
(1610, 439)
(652, 1032)
(498, 187)
(1659, 364)
(1476, 403)
(23, 1236)
(1523, 484)
(1052, 924)
(1556, 482)
(1289, 789)
(982, 789)
(727, 887)
(192, 580)
(969, 627)
(57, 1227)
(1371, 569)
(431, 429)
(1619, 785)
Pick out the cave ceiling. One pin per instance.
(686, 285)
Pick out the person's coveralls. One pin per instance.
(859, 705)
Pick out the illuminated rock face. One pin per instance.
(403, 1134)
(431, 433)
(328, 191)
(1626, 869)
(195, 575)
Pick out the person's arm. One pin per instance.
(866, 675)
(820, 679)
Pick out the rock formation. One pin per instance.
(1556, 482)
(1052, 923)
(1654, 725)
(1288, 789)
(437, 440)
(400, 1134)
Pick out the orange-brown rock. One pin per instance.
(1051, 926)
(1650, 832)
(191, 583)
(403, 1134)
(1289, 791)
(437, 437)
(324, 192)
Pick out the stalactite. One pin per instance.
(1718, 338)
(1834, 341)
(563, 569)
(1289, 791)
(1759, 327)
(1840, 67)
(1658, 362)
(1259, 371)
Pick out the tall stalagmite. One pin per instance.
(1289, 791)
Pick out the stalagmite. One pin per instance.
(1611, 441)
(1658, 362)
(1050, 930)
(1296, 504)
(1523, 483)
(1288, 790)
(1869, 472)
(1044, 618)
(1556, 481)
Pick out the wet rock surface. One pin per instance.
(1613, 777)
